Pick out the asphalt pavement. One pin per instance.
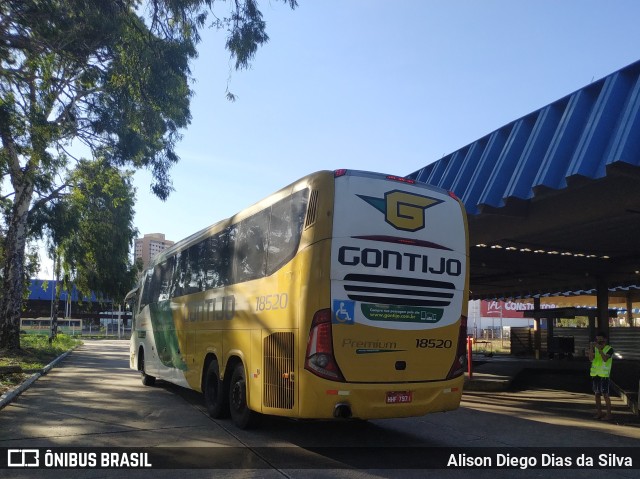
(92, 399)
(504, 373)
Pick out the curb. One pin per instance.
(10, 395)
(502, 383)
(630, 398)
(487, 385)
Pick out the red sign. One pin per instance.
(508, 309)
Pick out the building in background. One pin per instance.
(149, 246)
(90, 314)
(72, 304)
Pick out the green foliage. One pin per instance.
(36, 352)
(90, 229)
(577, 322)
(93, 72)
(97, 251)
(113, 75)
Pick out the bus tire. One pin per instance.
(215, 398)
(241, 415)
(147, 380)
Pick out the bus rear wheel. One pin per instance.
(214, 397)
(147, 380)
(241, 415)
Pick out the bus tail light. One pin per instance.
(460, 362)
(319, 358)
(401, 179)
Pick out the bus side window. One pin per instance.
(146, 291)
(285, 229)
(250, 248)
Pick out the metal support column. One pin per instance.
(602, 297)
(537, 334)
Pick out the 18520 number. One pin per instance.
(272, 302)
(433, 343)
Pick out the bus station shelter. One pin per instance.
(553, 198)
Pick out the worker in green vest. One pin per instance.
(601, 357)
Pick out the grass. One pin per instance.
(35, 354)
(489, 346)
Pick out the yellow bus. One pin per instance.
(342, 295)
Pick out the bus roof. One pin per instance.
(239, 216)
(274, 197)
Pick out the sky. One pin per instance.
(387, 86)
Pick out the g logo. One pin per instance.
(402, 210)
(406, 211)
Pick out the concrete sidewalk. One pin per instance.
(10, 395)
(498, 373)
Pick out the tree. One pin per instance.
(97, 253)
(113, 75)
(90, 229)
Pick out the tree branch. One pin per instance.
(51, 196)
(9, 144)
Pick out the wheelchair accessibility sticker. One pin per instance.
(343, 311)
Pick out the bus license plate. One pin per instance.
(399, 397)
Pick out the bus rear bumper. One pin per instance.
(379, 401)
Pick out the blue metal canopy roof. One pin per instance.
(44, 290)
(553, 198)
(578, 136)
